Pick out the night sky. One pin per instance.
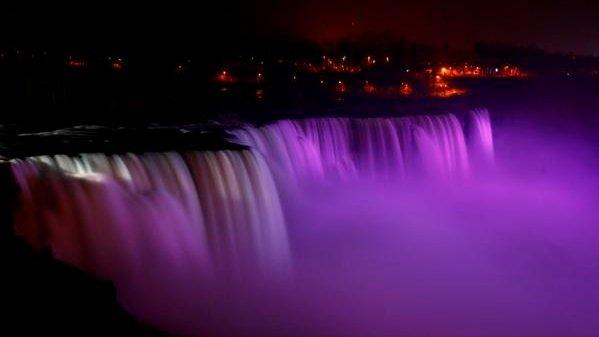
(554, 25)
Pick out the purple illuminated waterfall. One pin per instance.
(198, 244)
(480, 137)
(433, 146)
(103, 212)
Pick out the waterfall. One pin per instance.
(114, 215)
(110, 214)
(325, 148)
(177, 225)
(480, 138)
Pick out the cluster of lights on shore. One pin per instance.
(438, 80)
(116, 63)
(438, 87)
(467, 70)
(438, 84)
(341, 64)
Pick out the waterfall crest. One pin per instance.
(325, 148)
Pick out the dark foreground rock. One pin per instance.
(41, 296)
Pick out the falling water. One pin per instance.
(111, 214)
(434, 146)
(175, 224)
(480, 138)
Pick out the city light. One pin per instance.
(117, 64)
(75, 63)
(480, 71)
(225, 77)
(328, 65)
(442, 89)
